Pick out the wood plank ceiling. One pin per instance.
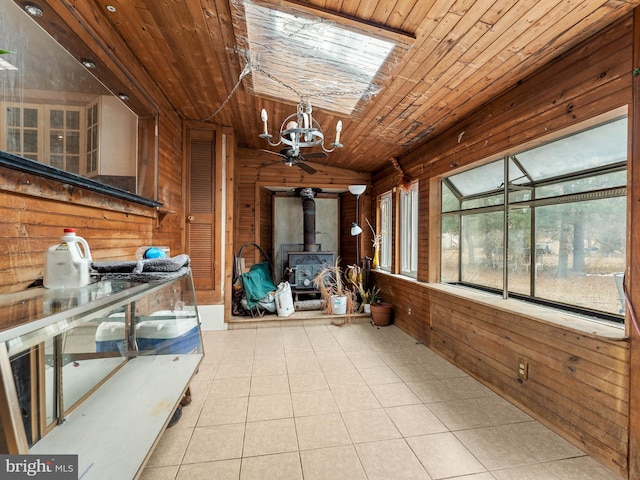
(453, 56)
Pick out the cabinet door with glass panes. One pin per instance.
(22, 127)
(65, 137)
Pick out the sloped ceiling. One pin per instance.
(449, 57)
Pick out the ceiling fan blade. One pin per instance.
(316, 155)
(266, 165)
(307, 168)
(273, 153)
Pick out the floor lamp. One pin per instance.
(357, 190)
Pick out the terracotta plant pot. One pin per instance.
(381, 313)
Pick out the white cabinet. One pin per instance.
(112, 132)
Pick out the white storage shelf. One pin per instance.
(108, 407)
(113, 431)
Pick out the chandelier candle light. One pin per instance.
(300, 130)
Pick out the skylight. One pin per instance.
(294, 56)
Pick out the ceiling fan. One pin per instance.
(289, 159)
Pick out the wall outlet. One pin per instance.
(523, 369)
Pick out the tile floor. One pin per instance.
(354, 402)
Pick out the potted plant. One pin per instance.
(381, 313)
(368, 297)
(338, 298)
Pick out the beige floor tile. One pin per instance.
(498, 410)
(369, 425)
(543, 444)
(321, 431)
(413, 420)
(313, 403)
(307, 382)
(378, 375)
(351, 346)
(338, 463)
(269, 385)
(159, 473)
(482, 476)
(336, 361)
(441, 368)
(355, 397)
(220, 442)
(494, 449)
(527, 472)
(412, 373)
(394, 395)
(171, 447)
(221, 470)
(431, 390)
(230, 388)
(305, 362)
(269, 407)
(444, 456)
(330, 384)
(366, 360)
(191, 413)
(267, 365)
(395, 358)
(459, 415)
(269, 437)
(223, 411)
(282, 466)
(467, 387)
(234, 370)
(206, 372)
(237, 358)
(582, 468)
(390, 459)
(343, 378)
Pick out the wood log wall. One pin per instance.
(580, 384)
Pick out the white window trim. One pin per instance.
(409, 231)
(386, 231)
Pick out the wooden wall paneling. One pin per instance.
(570, 377)
(580, 374)
(578, 383)
(32, 219)
(632, 273)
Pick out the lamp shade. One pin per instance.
(357, 189)
(355, 229)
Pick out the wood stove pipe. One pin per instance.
(309, 217)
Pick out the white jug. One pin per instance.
(68, 263)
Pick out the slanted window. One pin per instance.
(553, 233)
(409, 231)
(386, 231)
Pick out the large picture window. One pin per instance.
(553, 233)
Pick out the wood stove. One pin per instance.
(304, 266)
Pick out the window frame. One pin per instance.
(408, 228)
(385, 220)
(533, 203)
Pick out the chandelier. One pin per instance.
(300, 130)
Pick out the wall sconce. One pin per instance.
(357, 190)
